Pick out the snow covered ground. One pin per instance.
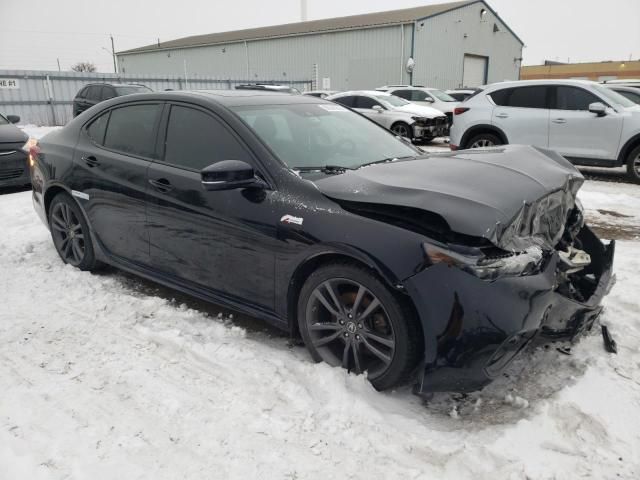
(106, 376)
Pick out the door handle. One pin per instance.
(162, 185)
(502, 115)
(559, 120)
(91, 161)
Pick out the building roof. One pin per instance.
(393, 17)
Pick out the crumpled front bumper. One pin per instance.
(474, 328)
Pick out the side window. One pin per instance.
(573, 98)
(195, 140)
(406, 94)
(529, 97)
(419, 96)
(98, 127)
(501, 97)
(132, 130)
(108, 92)
(346, 101)
(366, 102)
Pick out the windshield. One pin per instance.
(320, 135)
(131, 90)
(614, 97)
(392, 100)
(442, 96)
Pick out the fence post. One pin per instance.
(50, 96)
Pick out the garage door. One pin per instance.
(475, 71)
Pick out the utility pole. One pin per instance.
(113, 53)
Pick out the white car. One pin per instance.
(461, 94)
(428, 97)
(404, 118)
(320, 93)
(584, 121)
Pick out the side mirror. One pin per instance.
(378, 108)
(429, 99)
(598, 108)
(13, 118)
(230, 175)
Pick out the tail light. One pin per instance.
(33, 150)
(460, 110)
(453, 147)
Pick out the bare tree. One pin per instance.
(84, 67)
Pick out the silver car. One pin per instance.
(415, 122)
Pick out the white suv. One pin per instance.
(584, 121)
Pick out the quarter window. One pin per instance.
(132, 130)
(98, 128)
(195, 140)
(572, 98)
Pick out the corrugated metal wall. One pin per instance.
(442, 41)
(45, 98)
(354, 59)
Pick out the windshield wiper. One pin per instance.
(323, 169)
(387, 160)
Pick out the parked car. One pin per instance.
(14, 170)
(623, 82)
(429, 97)
(462, 94)
(269, 88)
(415, 122)
(632, 93)
(584, 121)
(94, 93)
(321, 93)
(437, 270)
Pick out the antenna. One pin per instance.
(303, 10)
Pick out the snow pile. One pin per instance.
(103, 378)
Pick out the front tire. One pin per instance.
(633, 165)
(484, 140)
(70, 233)
(347, 317)
(402, 130)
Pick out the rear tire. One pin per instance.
(633, 165)
(347, 317)
(483, 140)
(70, 233)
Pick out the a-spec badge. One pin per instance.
(291, 220)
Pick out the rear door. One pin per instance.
(575, 132)
(111, 160)
(522, 113)
(217, 240)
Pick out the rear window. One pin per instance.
(132, 130)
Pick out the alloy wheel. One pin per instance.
(636, 164)
(401, 131)
(67, 234)
(349, 327)
(482, 142)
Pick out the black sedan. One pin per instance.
(13, 159)
(433, 269)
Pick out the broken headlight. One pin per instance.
(487, 266)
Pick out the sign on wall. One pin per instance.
(326, 83)
(9, 84)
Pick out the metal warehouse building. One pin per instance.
(460, 44)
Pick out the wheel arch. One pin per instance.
(628, 147)
(50, 194)
(483, 128)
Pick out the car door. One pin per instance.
(217, 240)
(522, 113)
(111, 160)
(364, 105)
(575, 132)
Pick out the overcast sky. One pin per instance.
(35, 33)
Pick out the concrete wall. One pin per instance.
(442, 41)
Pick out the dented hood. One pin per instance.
(514, 196)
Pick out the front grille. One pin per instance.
(11, 174)
(441, 121)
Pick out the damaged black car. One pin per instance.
(432, 269)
